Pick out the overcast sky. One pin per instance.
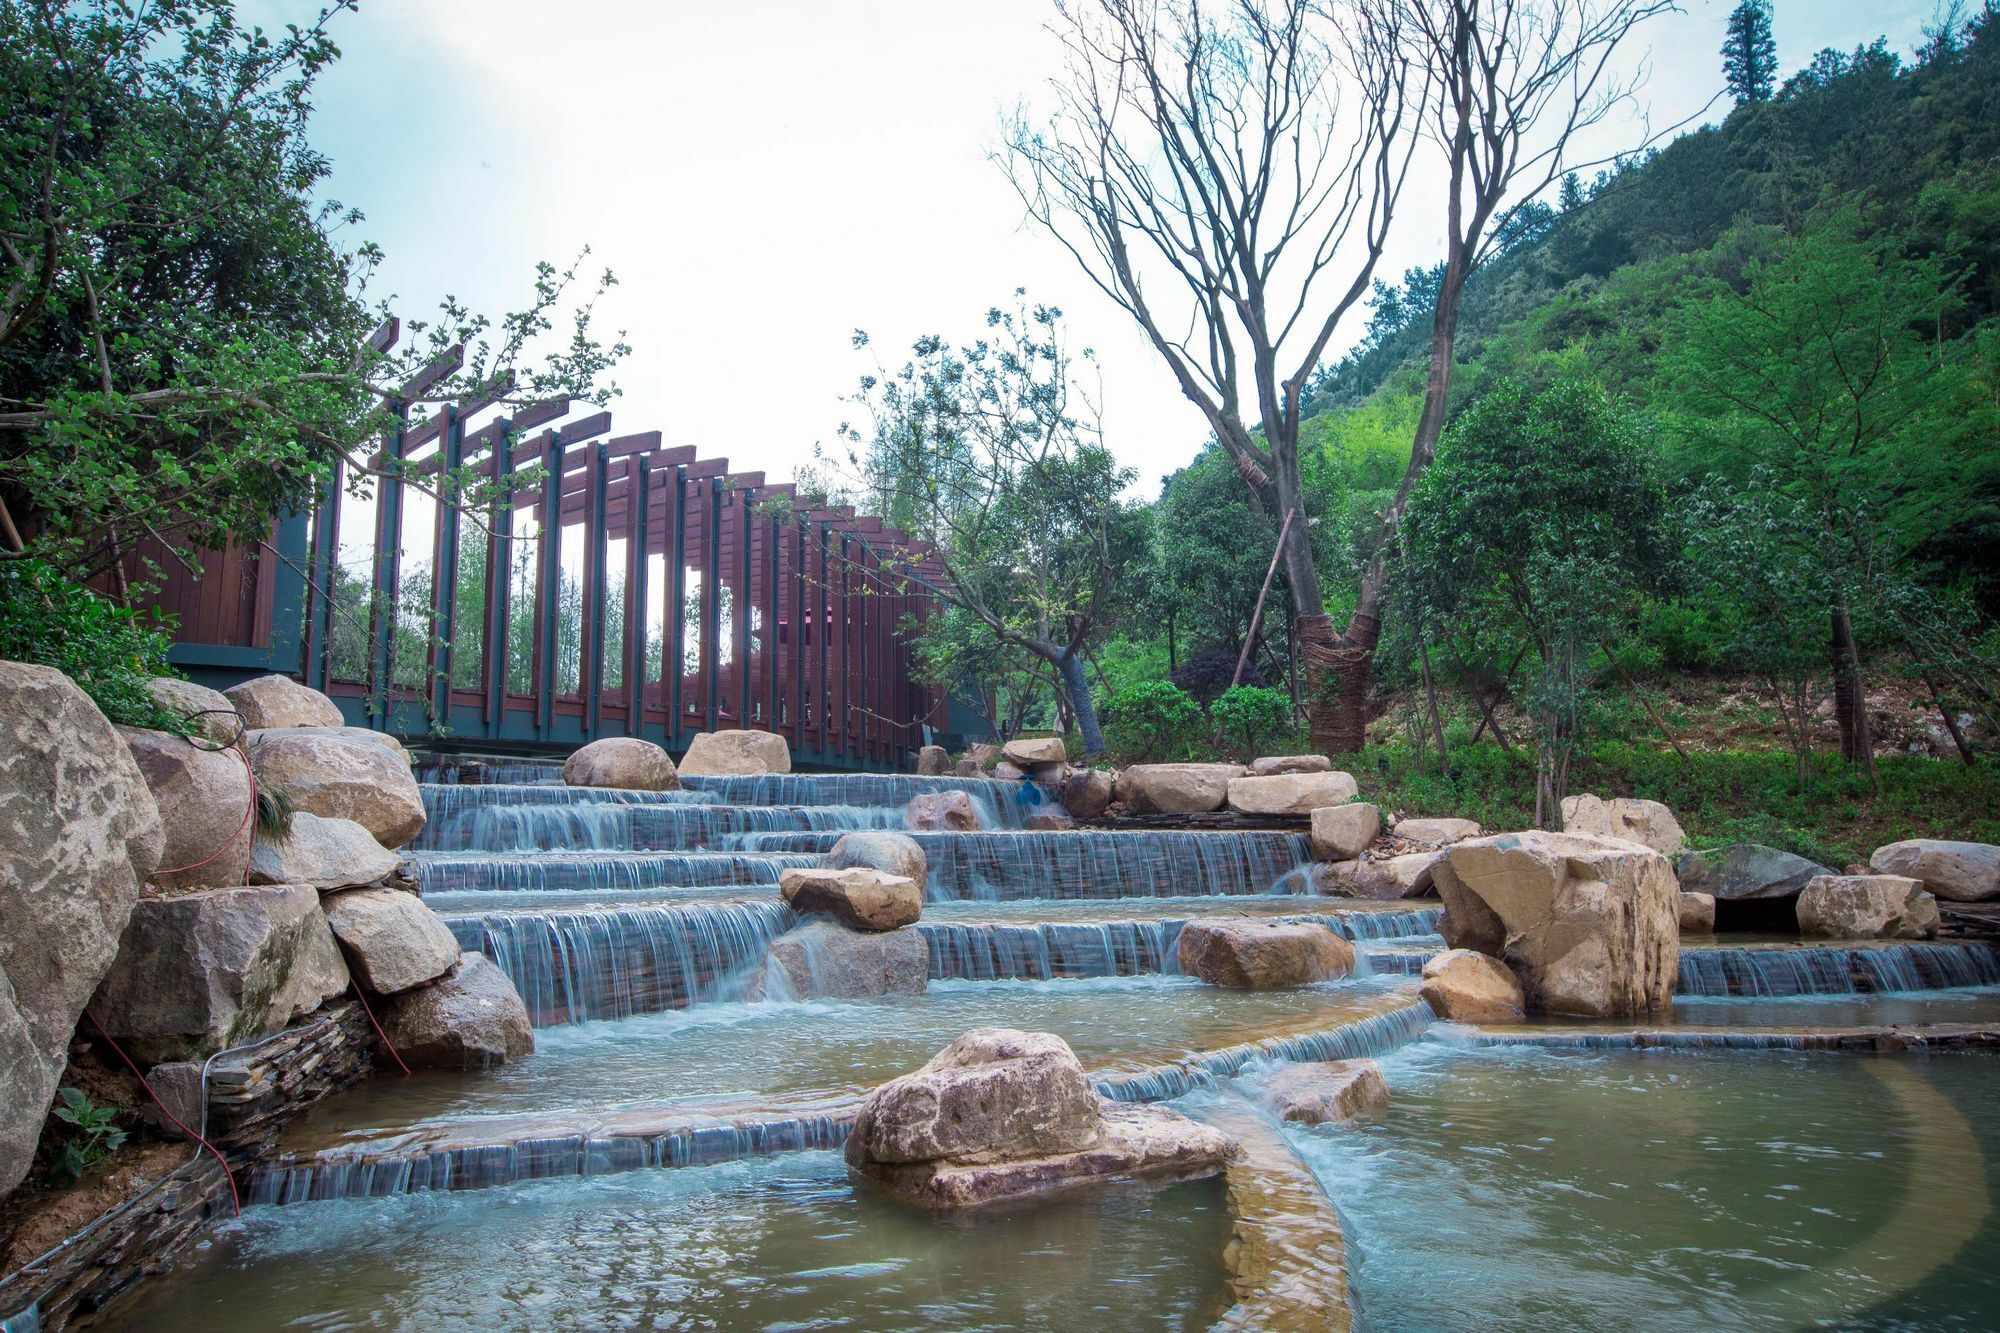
(766, 176)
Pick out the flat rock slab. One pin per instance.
(1035, 752)
(1290, 794)
(1271, 766)
(1248, 953)
(1435, 832)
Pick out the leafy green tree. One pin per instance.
(1249, 718)
(1543, 514)
(989, 456)
(1750, 53)
(1153, 719)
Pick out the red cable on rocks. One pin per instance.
(235, 1200)
(394, 1054)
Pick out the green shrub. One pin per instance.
(106, 649)
(1251, 717)
(1152, 719)
(95, 1136)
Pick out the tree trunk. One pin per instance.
(1078, 688)
(1850, 695)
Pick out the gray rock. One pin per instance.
(204, 801)
(201, 972)
(1745, 870)
(78, 835)
(827, 961)
(472, 1019)
(735, 753)
(342, 779)
(393, 940)
(621, 761)
(1963, 872)
(328, 854)
(215, 718)
(280, 701)
(890, 853)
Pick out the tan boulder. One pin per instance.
(623, 762)
(942, 810)
(1393, 877)
(1033, 752)
(393, 941)
(736, 754)
(472, 1018)
(890, 853)
(337, 778)
(1962, 872)
(1175, 789)
(280, 701)
(1648, 823)
(1343, 832)
(827, 961)
(1087, 792)
(1464, 986)
(205, 809)
(933, 761)
(1590, 925)
(215, 718)
(1435, 832)
(860, 897)
(328, 854)
(1296, 794)
(1004, 771)
(1049, 821)
(1697, 913)
(1253, 953)
(1328, 1092)
(1868, 907)
(1271, 766)
(358, 735)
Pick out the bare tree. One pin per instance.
(1250, 156)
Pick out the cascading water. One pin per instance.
(1835, 969)
(586, 872)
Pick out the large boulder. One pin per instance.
(1175, 789)
(1962, 872)
(393, 940)
(472, 1019)
(358, 735)
(342, 779)
(860, 897)
(215, 719)
(1271, 766)
(1030, 753)
(1254, 953)
(1393, 877)
(1868, 907)
(1590, 925)
(890, 853)
(942, 810)
(1646, 822)
(1697, 914)
(1745, 870)
(205, 808)
(1291, 794)
(1087, 792)
(1328, 1092)
(736, 754)
(201, 972)
(933, 761)
(621, 761)
(1465, 986)
(1435, 832)
(78, 835)
(827, 961)
(328, 854)
(1343, 832)
(280, 701)
(1001, 1115)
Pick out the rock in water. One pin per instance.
(1868, 907)
(1963, 872)
(340, 779)
(472, 1019)
(860, 897)
(942, 810)
(1328, 1092)
(328, 854)
(395, 941)
(1343, 832)
(1175, 789)
(204, 801)
(280, 701)
(1464, 986)
(79, 833)
(1435, 832)
(828, 961)
(1000, 1115)
(1289, 794)
(1251, 953)
(200, 972)
(1646, 822)
(890, 853)
(933, 761)
(1745, 870)
(736, 754)
(1697, 914)
(625, 762)
(1590, 925)
(215, 718)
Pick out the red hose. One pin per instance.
(394, 1054)
(235, 1201)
